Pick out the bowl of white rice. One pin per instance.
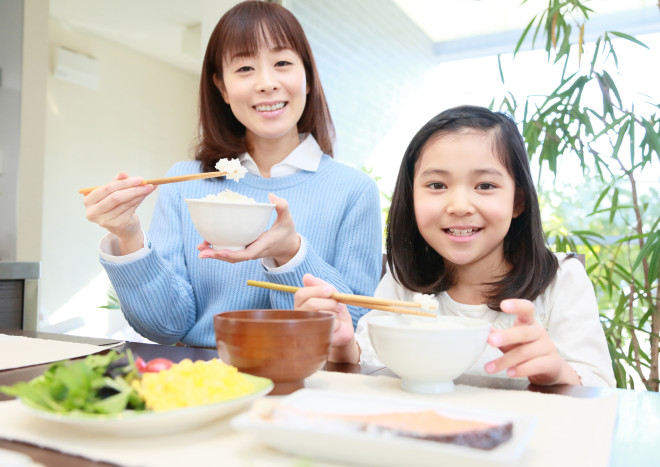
(229, 220)
(428, 353)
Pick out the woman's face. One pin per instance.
(464, 200)
(266, 92)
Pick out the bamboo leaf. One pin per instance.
(596, 51)
(523, 35)
(651, 137)
(612, 87)
(619, 139)
(580, 44)
(565, 47)
(553, 31)
(615, 203)
(629, 38)
(499, 66)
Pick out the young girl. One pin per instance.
(464, 225)
(261, 101)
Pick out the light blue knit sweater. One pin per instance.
(171, 295)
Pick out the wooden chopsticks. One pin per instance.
(354, 300)
(163, 180)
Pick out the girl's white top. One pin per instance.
(567, 310)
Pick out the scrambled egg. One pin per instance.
(187, 384)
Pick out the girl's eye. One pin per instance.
(437, 186)
(485, 186)
(283, 63)
(244, 69)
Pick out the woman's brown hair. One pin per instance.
(418, 267)
(244, 29)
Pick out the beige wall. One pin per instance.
(141, 120)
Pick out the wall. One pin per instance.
(371, 59)
(140, 120)
(11, 32)
(30, 193)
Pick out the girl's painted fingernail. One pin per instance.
(495, 339)
(327, 290)
(511, 372)
(490, 367)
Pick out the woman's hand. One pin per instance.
(113, 206)
(528, 349)
(316, 296)
(281, 242)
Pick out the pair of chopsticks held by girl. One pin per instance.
(464, 221)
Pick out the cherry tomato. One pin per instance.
(140, 364)
(157, 364)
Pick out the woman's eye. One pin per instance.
(485, 186)
(283, 63)
(436, 186)
(244, 69)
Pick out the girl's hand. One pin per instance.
(113, 206)
(281, 242)
(316, 296)
(528, 349)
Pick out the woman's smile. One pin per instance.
(267, 108)
(267, 93)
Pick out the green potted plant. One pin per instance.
(615, 142)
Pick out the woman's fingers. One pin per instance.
(281, 242)
(120, 182)
(281, 208)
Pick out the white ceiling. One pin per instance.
(447, 20)
(173, 30)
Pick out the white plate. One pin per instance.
(131, 423)
(325, 441)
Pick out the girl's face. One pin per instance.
(464, 200)
(266, 92)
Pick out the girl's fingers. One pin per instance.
(309, 280)
(523, 309)
(505, 338)
(517, 356)
(543, 365)
(315, 298)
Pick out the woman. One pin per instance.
(261, 102)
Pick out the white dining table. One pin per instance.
(573, 425)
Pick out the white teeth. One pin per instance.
(462, 232)
(269, 108)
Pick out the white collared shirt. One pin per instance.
(306, 156)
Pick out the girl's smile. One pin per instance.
(462, 234)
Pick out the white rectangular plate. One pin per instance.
(325, 441)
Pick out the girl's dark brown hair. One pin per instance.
(418, 267)
(243, 29)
